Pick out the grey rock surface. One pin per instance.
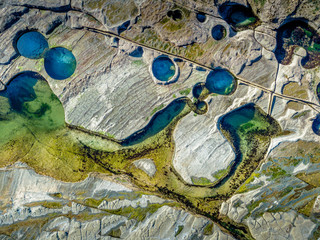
(22, 186)
(146, 165)
(281, 225)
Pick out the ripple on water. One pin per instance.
(32, 45)
(60, 63)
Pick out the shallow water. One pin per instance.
(28, 103)
(243, 125)
(32, 45)
(241, 18)
(221, 82)
(60, 63)
(163, 68)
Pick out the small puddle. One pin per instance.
(316, 125)
(137, 53)
(218, 32)
(201, 17)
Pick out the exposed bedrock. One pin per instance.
(26, 198)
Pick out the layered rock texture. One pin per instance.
(113, 93)
(39, 207)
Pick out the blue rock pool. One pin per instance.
(60, 63)
(201, 17)
(218, 32)
(32, 45)
(157, 123)
(220, 81)
(163, 68)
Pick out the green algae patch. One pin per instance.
(116, 12)
(201, 181)
(139, 213)
(46, 204)
(208, 229)
(244, 187)
(185, 92)
(180, 228)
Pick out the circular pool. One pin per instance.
(60, 63)
(218, 32)
(163, 69)
(220, 81)
(32, 45)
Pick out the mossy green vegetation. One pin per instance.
(221, 173)
(244, 187)
(156, 109)
(185, 92)
(208, 229)
(180, 228)
(201, 181)
(46, 204)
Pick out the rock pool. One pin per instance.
(220, 81)
(163, 68)
(201, 17)
(32, 45)
(218, 32)
(60, 63)
(157, 123)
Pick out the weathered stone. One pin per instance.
(146, 165)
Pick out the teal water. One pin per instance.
(32, 45)
(236, 118)
(163, 68)
(60, 63)
(242, 18)
(220, 81)
(158, 122)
